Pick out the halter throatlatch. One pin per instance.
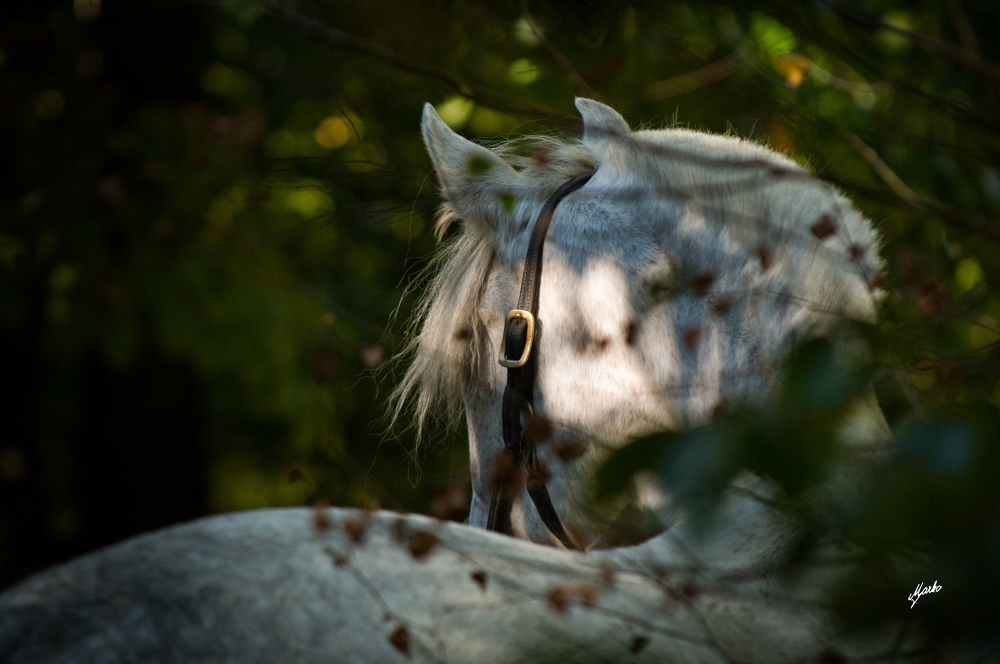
(516, 355)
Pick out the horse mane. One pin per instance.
(446, 339)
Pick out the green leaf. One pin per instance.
(615, 476)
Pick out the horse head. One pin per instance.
(672, 283)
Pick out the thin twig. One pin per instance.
(886, 174)
(913, 199)
(963, 56)
(692, 80)
(910, 390)
(559, 57)
(326, 34)
(851, 54)
(962, 25)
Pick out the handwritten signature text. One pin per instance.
(921, 591)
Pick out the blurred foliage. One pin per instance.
(925, 509)
(793, 439)
(210, 212)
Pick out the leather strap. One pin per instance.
(518, 396)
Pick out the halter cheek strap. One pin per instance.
(516, 355)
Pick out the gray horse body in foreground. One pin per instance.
(294, 585)
(672, 283)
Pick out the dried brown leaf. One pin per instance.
(355, 529)
(824, 227)
(320, 520)
(421, 543)
(400, 640)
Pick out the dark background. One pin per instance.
(208, 219)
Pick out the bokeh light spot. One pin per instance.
(50, 105)
(63, 277)
(793, 68)
(332, 133)
(524, 33)
(455, 111)
(523, 72)
(893, 42)
(772, 36)
(223, 81)
(309, 202)
(968, 274)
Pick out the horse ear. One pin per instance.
(600, 121)
(478, 183)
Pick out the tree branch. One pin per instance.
(697, 78)
(962, 25)
(866, 19)
(951, 216)
(326, 34)
(559, 57)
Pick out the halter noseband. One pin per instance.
(515, 354)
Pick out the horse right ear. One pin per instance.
(481, 186)
(601, 123)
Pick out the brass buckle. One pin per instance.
(529, 339)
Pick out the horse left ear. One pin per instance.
(480, 185)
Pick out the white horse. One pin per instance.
(673, 281)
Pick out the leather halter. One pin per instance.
(516, 356)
